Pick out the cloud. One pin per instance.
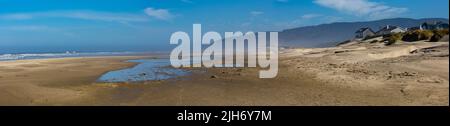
(104, 16)
(15, 17)
(78, 14)
(256, 13)
(26, 28)
(310, 16)
(372, 10)
(161, 14)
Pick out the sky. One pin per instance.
(148, 24)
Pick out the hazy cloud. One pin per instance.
(310, 16)
(78, 14)
(161, 14)
(15, 17)
(25, 28)
(372, 10)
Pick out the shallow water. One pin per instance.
(146, 70)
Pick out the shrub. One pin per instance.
(417, 35)
(387, 36)
(441, 32)
(411, 36)
(435, 38)
(393, 38)
(425, 35)
(438, 34)
(373, 41)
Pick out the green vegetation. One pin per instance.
(410, 36)
(441, 32)
(438, 34)
(425, 35)
(417, 35)
(393, 38)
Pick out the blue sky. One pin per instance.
(148, 24)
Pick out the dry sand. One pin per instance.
(354, 74)
(412, 73)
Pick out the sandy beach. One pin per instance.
(353, 74)
(61, 81)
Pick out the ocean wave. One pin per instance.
(4, 57)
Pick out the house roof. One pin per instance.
(389, 28)
(414, 28)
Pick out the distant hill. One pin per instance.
(329, 34)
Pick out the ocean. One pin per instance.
(145, 70)
(36, 52)
(22, 56)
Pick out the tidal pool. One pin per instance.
(146, 70)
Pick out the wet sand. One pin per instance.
(72, 81)
(61, 81)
